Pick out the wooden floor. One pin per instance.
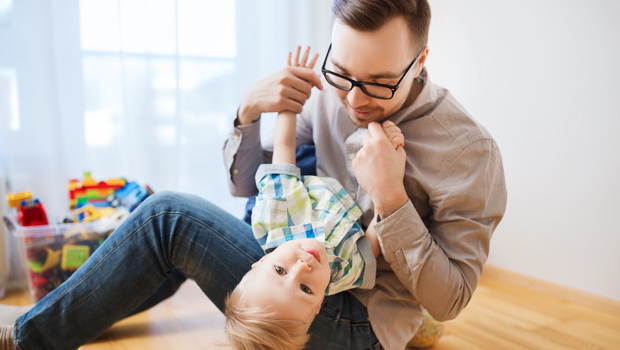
(501, 315)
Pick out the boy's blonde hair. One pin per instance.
(254, 328)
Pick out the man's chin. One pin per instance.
(363, 122)
(374, 115)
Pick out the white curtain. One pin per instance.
(141, 89)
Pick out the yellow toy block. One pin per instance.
(73, 256)
(91, 213)
(15, 199)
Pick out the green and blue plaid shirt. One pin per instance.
(290, 206)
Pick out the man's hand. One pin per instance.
(285, 90)
(380, 170)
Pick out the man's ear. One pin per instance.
(421, 62)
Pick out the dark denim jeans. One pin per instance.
(169, 238)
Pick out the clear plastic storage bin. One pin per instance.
(52, 253)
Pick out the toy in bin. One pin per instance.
(130, 196)
(112, 193)
(30, 211)
(52, 253)
(67, 246)
(92, 192)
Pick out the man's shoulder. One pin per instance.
(446, 120)
(439, 135)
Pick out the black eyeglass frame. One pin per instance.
(361, 84)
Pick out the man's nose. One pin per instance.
(357, 98)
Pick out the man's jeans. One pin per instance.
(169, 238)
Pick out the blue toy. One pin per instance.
(130, 196)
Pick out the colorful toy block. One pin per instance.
(92, 192)
(15, 199)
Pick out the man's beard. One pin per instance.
(378, 114)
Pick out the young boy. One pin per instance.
(309, 228)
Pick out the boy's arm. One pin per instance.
(284, 138)
(371, 235)
(286, 122)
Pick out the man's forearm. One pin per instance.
(387, 204)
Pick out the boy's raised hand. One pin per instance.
(304, 58)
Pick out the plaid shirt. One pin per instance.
(290, 206)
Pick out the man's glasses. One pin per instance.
(380, 91)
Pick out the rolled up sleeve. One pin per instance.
(243, 154)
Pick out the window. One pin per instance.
(158, 81)
(9, 113)
(162, 62)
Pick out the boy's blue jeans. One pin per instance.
(169, 238)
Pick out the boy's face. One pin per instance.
(380, 57)
(292, 279)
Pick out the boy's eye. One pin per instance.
(279, 270)
(305, 289)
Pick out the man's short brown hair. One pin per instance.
(370, 15)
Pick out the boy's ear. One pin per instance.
(319, 308)
(258, 262)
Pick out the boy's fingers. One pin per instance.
(389, 128)
(399, 140)
(393, 133)
(375, 130)
(288, 61)
(313, 61)
(304, 58)
(388, 123)
(394, 136)
(296, 59)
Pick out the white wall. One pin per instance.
(544, 77)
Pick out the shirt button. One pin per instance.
(352, 156)
(236, 138)
(353, 196)
(235, 171)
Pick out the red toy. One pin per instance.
(32, 213)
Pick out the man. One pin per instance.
(438, 198)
